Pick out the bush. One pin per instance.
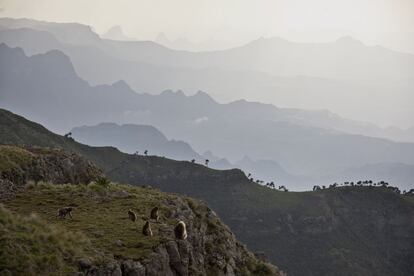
(102, 181)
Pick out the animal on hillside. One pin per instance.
(146, 230)
(154, 214)
(180, 230)
(132, 216)
(63, 212)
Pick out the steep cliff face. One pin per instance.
(114, 245)
(100, 239)
(210, 249)
(343, 231)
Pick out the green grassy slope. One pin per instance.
(343, 231)
(31, 247)
(35, 242)
(16, 130)
(99, 213)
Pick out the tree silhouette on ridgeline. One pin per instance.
(363, 183)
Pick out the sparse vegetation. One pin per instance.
(31, 246)
(101, 216)
(12, 157)
(100, 213)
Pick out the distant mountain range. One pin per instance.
(336, 76)
(46, 88)
(184, 44)
(342, 59)
(134, 138)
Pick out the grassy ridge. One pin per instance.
(100, 213)
(36, 242)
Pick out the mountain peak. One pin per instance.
(348, 40)
(203, 96)
(265, 41)
(246, 159)
(121, 84)
(5, 48)
(172, 93)
(116, 33)
(162, 38)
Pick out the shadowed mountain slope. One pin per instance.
(46, 88)
(131, 138)
(345, 230)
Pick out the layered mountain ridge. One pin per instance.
(262, 132)
(284, 73)
(358, 230)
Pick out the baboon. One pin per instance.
(146, 230)
(132, 216)
(154, 214)
(180, 231)
(63, 212)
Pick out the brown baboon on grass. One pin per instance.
(132, 216)
(146, 230)
(63, 212)
(180, 231)
(154, 214)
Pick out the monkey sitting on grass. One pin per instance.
(180, 231)
(154, 214)
(146, 230)
(132, 216)
(63, 212)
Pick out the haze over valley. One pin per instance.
(238, 139)
(313, 145)
(270, 70)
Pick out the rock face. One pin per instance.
(210, 249)
(21, 165)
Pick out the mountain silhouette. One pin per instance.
(304, 75)
(46, 88)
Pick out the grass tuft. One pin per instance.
(12, 157)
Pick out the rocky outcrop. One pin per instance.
(210, 249)
(23, 165)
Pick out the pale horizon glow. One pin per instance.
(230, 23)
(206, 25)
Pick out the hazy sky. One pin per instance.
(386, 22)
